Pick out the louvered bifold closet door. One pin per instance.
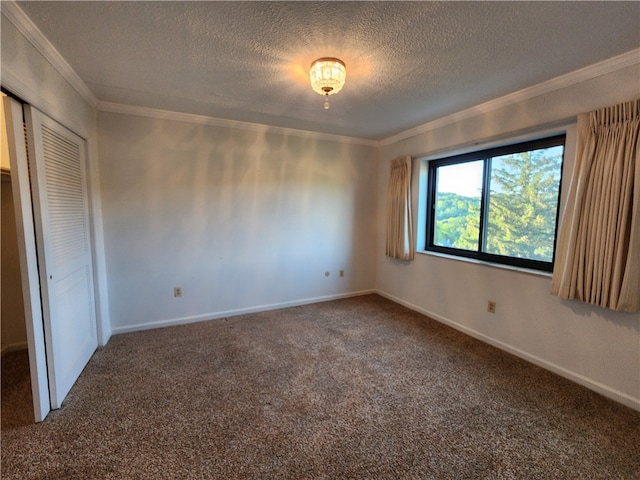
(61, 211)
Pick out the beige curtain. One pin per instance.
(598, 250)
(399, 223)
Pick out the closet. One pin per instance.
(16, 386)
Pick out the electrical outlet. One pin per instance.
(342, 273)
(491, 306)
(177, 292)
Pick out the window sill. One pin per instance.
(528, 271)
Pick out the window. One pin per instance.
(498, 205)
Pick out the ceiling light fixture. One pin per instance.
(327, 77)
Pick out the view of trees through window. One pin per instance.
(498, 203)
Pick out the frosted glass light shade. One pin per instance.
(327, 75)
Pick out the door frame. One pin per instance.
(28, 257)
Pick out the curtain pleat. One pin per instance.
(598, 247)
(399, 223)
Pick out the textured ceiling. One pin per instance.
(407, 62)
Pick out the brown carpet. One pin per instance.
(357, 388)
(17, 403)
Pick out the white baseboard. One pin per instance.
(231, 313)
(14, 347)
(598, 387)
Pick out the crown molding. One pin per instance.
(577, 76)
(26, 27)
(221, 122)
(22, 22)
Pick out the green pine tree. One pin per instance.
(522, 205)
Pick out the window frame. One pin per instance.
(485, 155)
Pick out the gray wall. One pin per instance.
(241, 220)
(14, 332)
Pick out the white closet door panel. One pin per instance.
(74, 307)
(61, 210)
